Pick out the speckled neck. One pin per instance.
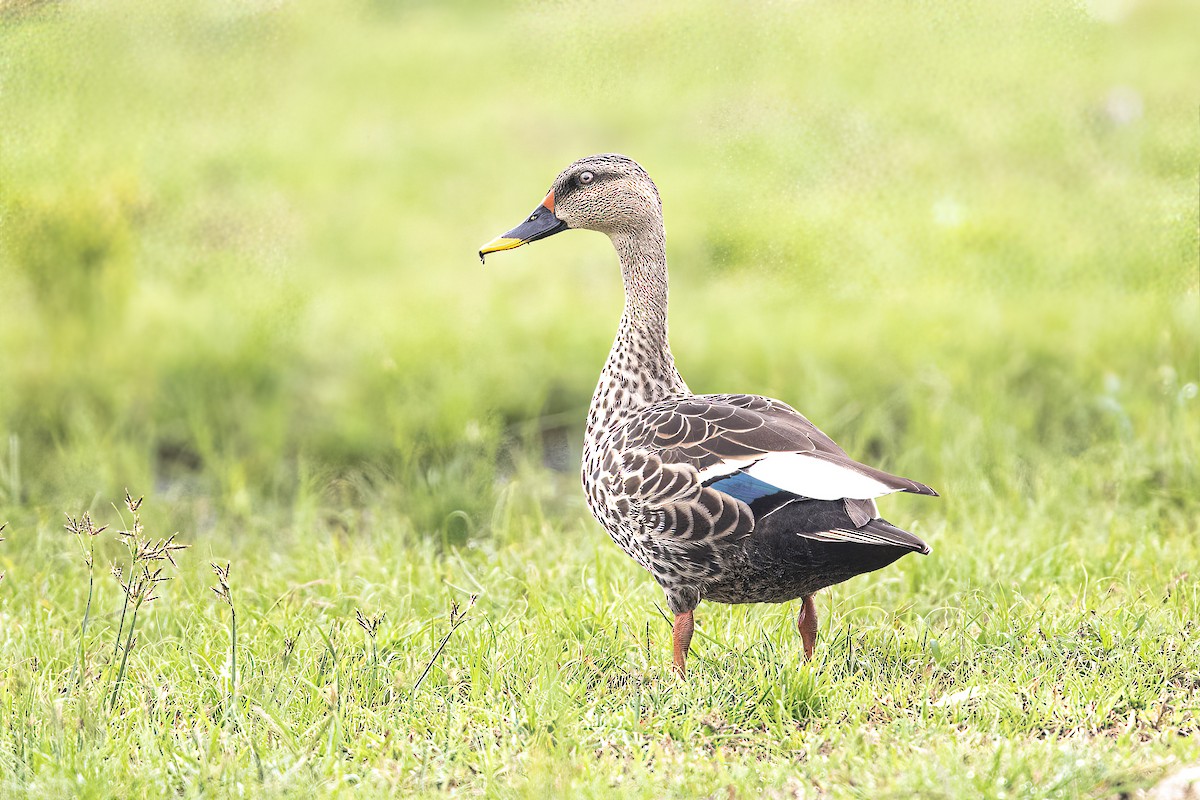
(643, 257)
(640, 369)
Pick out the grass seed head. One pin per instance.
(85, 530)
(82, 526)
(161, 550)
(369, 624)
(222, 587)
(289, 645)
(457, 613)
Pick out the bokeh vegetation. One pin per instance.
(238, 275)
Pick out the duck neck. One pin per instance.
(640, 369)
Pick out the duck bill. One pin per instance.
(540, 224)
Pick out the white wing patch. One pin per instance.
(815, 478)
(723, 468)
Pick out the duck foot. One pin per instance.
(681, 636)
(806, 623)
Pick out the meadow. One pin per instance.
(238, 279)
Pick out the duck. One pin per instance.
(730, 498)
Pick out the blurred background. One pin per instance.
(238, 245)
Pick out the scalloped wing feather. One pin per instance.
(678, 515)
(672, 448)
(720, 434)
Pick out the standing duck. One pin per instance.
(733, 498)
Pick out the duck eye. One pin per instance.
(585, 178)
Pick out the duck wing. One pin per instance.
(723, 434)
(703, 468)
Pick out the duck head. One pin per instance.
(609, 193)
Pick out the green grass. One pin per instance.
(238, 275)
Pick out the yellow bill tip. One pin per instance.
(497, 244)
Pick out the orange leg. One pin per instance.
(806, 622)
(681, 635)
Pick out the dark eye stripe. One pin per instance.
(596, 178)
(573, 185)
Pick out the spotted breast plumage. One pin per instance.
(732, 498)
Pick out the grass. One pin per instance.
(238, 277)
(1019, 681)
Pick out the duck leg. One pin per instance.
(806, 623)
(681, 636)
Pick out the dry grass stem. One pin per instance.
(457, 617)
(139, 581)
